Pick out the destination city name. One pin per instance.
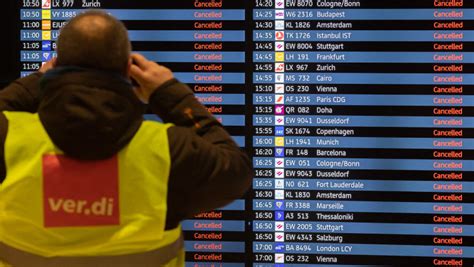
(329, 46)
(335, 217)
(332, 206)
(334, 35)
(340, 185)
(332, 174)
(330, 153)
(334, 132)
(339, 164)
(330, 248)
(332, 195)
(326, 67)
(329, 227)
(326, 89)
(337, 3)
(334, 25)
(330, 14)
(324, 110)
(330, 238)
(326, 259)
(333, 121)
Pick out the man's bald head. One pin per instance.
(96, 40)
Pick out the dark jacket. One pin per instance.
(92, 115)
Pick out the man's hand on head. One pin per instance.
(48, 65)
(149, 76)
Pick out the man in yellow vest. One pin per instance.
(84, 181)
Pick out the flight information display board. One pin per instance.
(358, 116)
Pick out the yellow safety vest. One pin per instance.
(53, 206)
